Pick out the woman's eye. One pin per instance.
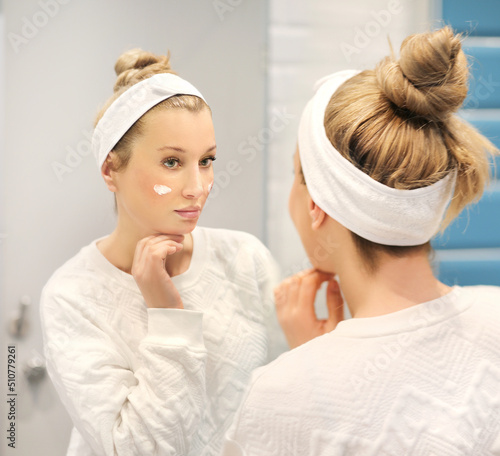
(171, 163)
(206, 162)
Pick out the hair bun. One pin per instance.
(135, 65)
(430, 78)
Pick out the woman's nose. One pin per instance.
(193, 187)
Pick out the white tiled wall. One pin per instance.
(308, 40)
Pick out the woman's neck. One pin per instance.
(119, 249)
(397, 283)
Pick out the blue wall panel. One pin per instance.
(469, 267)
(477, 227)
(484, 86)
(488, 123)
(474, 17)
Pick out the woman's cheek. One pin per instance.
(210, 179)
(151, 185)
(157, 185)
(161, 189)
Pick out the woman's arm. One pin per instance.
(119, 406)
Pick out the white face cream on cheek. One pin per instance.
(210, 186)
(162, 189)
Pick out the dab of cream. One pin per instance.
(210, 186)
(162, 189)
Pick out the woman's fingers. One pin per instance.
(301, 287)
(154, 238)
(157, 239)
(163, 249)
(152, 246)
(149, 270)
(295, 298)
(309, 287)
(334, 303)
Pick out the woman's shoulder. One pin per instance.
(77, 264)
(81, 275)
(487, 296)
(481, 293)
(297, 370)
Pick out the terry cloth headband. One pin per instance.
(370, 209)
(133, 104)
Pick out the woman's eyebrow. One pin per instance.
(176, 149)
(181, 150)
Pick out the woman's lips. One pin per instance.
(189, 213)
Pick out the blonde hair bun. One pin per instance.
(135, 65)
(397, 123)
(430, 78)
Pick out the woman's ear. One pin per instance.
(318, 215)
(108, 173)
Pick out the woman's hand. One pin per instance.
(295, 306)
(148, 270)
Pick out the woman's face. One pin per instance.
(167, 181)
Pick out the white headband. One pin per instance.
(131, 105)
(370, 209)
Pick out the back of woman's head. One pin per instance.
(397, 123)
(134, 66)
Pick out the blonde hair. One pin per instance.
(132, 67)
(397, 123)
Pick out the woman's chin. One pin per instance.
(182, 230)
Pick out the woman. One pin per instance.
(151, 332)
(416, 371)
